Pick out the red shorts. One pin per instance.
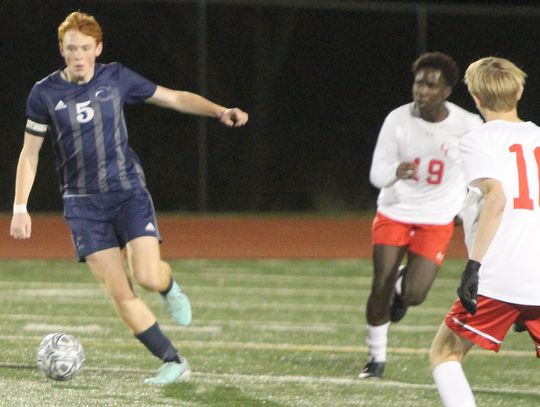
(488, 327)
(430, 241)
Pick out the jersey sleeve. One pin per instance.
(136, 87)
(478, 159)
(36, 113)
(385, 156)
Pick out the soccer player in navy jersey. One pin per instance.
(106, 203)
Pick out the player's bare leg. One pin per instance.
(413, 285)
(152, 273)
(386, 260)
(108, 267)
(144, 261)
(447, 351)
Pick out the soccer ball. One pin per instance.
(60, 356)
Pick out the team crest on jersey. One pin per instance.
(450, 148)
(60, 106)
(103, 93)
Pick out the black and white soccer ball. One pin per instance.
(60, 356)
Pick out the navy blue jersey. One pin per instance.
(88, 128)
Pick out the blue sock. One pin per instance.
(158, 344)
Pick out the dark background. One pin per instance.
(317, 79)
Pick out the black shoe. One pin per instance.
(372, 370)
(519, 326)
(398, 308)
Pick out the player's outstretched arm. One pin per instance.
(21, 224)
(191, 103)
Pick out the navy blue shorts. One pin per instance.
(112, 219)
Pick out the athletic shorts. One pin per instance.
(488, 327)
(430, 241)
(101, 221)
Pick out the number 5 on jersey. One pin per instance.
(84, 112)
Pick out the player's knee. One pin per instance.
(414, 298)
(150, 282)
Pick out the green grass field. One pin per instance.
(265, 333)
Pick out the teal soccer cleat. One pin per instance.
(178, 305)
(171, 372)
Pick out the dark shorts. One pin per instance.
(101, 221)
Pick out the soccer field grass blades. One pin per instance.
(178, 305)
(170, 373)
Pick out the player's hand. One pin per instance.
(234, 117)
(468, 288)
(21, 226)
(407, 170)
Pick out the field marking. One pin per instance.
(62, 328)
(257, 279)
(274, 346)
(262, 378)
(102, 299)
(97, 328)
(43, 291)
(202, 325)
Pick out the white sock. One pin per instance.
(453, 386)
(377, 338)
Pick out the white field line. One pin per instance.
(252, 281)
(278, 305)
(98, 297)
(62, 328)
(213, 378)
(320, 306)
(98, 329)
(258, 279)
(121, 342)
(201, 325)
(225, 290)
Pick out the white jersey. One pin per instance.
(438, 192)
(470, 215)
(510, 153)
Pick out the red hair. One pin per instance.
(82, 22)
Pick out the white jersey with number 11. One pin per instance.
(510, 153)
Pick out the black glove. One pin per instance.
(468, 288)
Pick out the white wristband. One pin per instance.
(19, 208)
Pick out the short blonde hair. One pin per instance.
(82, 22)
(496, 82)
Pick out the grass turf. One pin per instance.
(265, 333)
